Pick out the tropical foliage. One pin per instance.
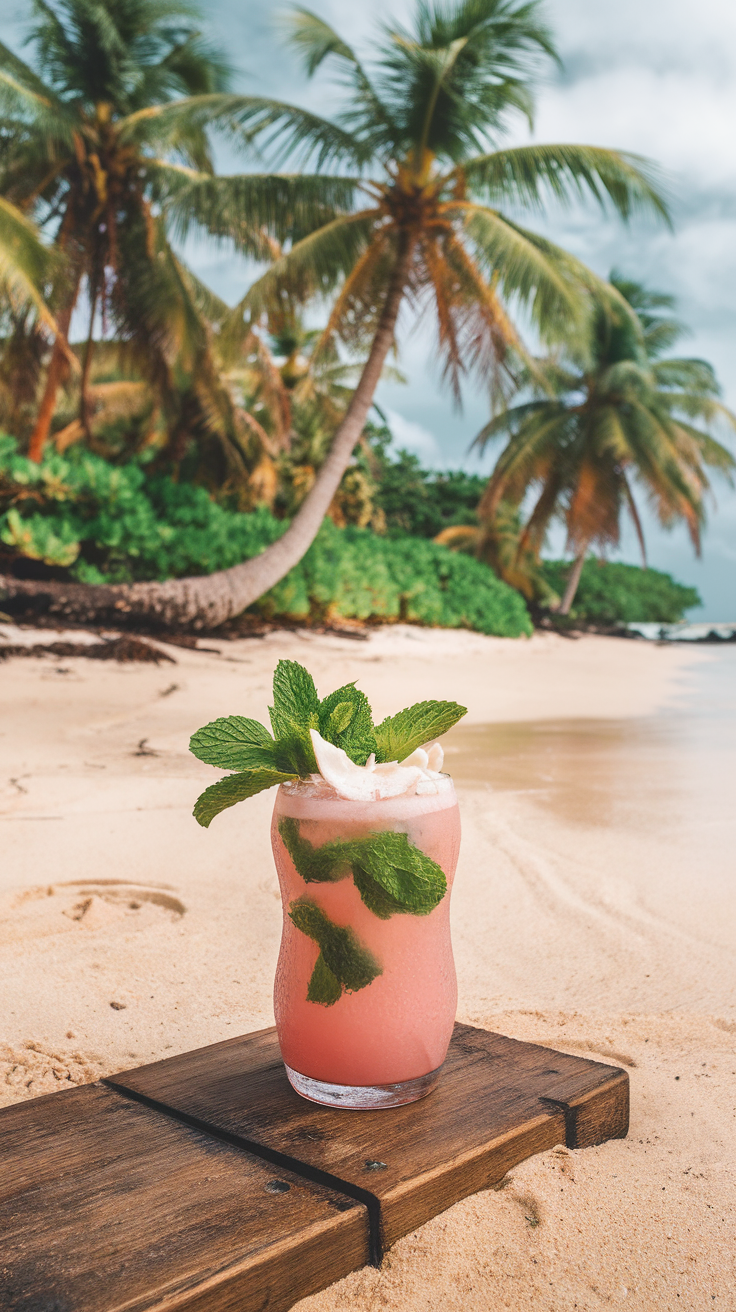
(611, 593)
(415, 150)
(406, 201)
(604, 415)
(81, 517)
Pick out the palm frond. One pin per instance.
(529, 175)
(244, 207)
(25, 264)
(530, 269)
(450, 82)
(324, 258)
(314, 40)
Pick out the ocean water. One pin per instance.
(626, 824)
(668, 772)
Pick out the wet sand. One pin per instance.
(593, 911)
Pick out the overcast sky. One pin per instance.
(656, 77)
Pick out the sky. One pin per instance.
(656, 77)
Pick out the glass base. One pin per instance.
(363, 1097)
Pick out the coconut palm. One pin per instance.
(25, 264)
(416, 151)
(25, 268)
(602, 419)
(112, 117)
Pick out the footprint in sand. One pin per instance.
(83, 905)
(34, 1068)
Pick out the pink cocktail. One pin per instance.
(380, 972)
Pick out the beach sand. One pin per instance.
(593, 911)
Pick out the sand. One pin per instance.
(594, 911)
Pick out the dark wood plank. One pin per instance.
(499, 1101)
(107, 1205)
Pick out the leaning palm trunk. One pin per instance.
(573, 580)
(205, 602)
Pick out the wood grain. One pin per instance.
(498, 1102)
(106, 1205)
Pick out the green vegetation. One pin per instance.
(611, 593)
(412, 499)
(103, 522)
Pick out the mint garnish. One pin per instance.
(294, 712)
(400, 735)
(343, 718)
(234, 743)
(316, 865)
(392, 876)
(234, 788)
(343, 961)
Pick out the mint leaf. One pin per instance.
(316, 865)
(345, 719)
(323, 987)
(234, 743)
(295, 711)
(340, 718)
(392, 876)
(234, 788)
(395, 877)
(295, 699)
(399, 735)
(343, 960)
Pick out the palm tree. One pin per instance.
(112, 119)
(25, 264)
(602, 417)
(418, 221)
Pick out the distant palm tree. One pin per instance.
(605, 416)
(418, 138)
(111, 121)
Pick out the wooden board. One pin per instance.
(205, 1183)
(498, 1102)
(105, 1205)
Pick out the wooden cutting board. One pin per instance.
(204, 1182)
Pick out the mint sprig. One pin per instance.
(234, 788)
(235, 743)
(343, 962)
(392, 876)
(343, 718)
(399, 735)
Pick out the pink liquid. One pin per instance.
(399, 1026)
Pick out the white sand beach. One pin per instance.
(594, 911)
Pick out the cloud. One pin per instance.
(414, 437)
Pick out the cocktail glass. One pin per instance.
(381, 1042)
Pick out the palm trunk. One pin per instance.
(573, 579)
(40, 434)
(208, 601)
(84, 403)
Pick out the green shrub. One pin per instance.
(413, 499)
(611, 593)
(107, 523)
